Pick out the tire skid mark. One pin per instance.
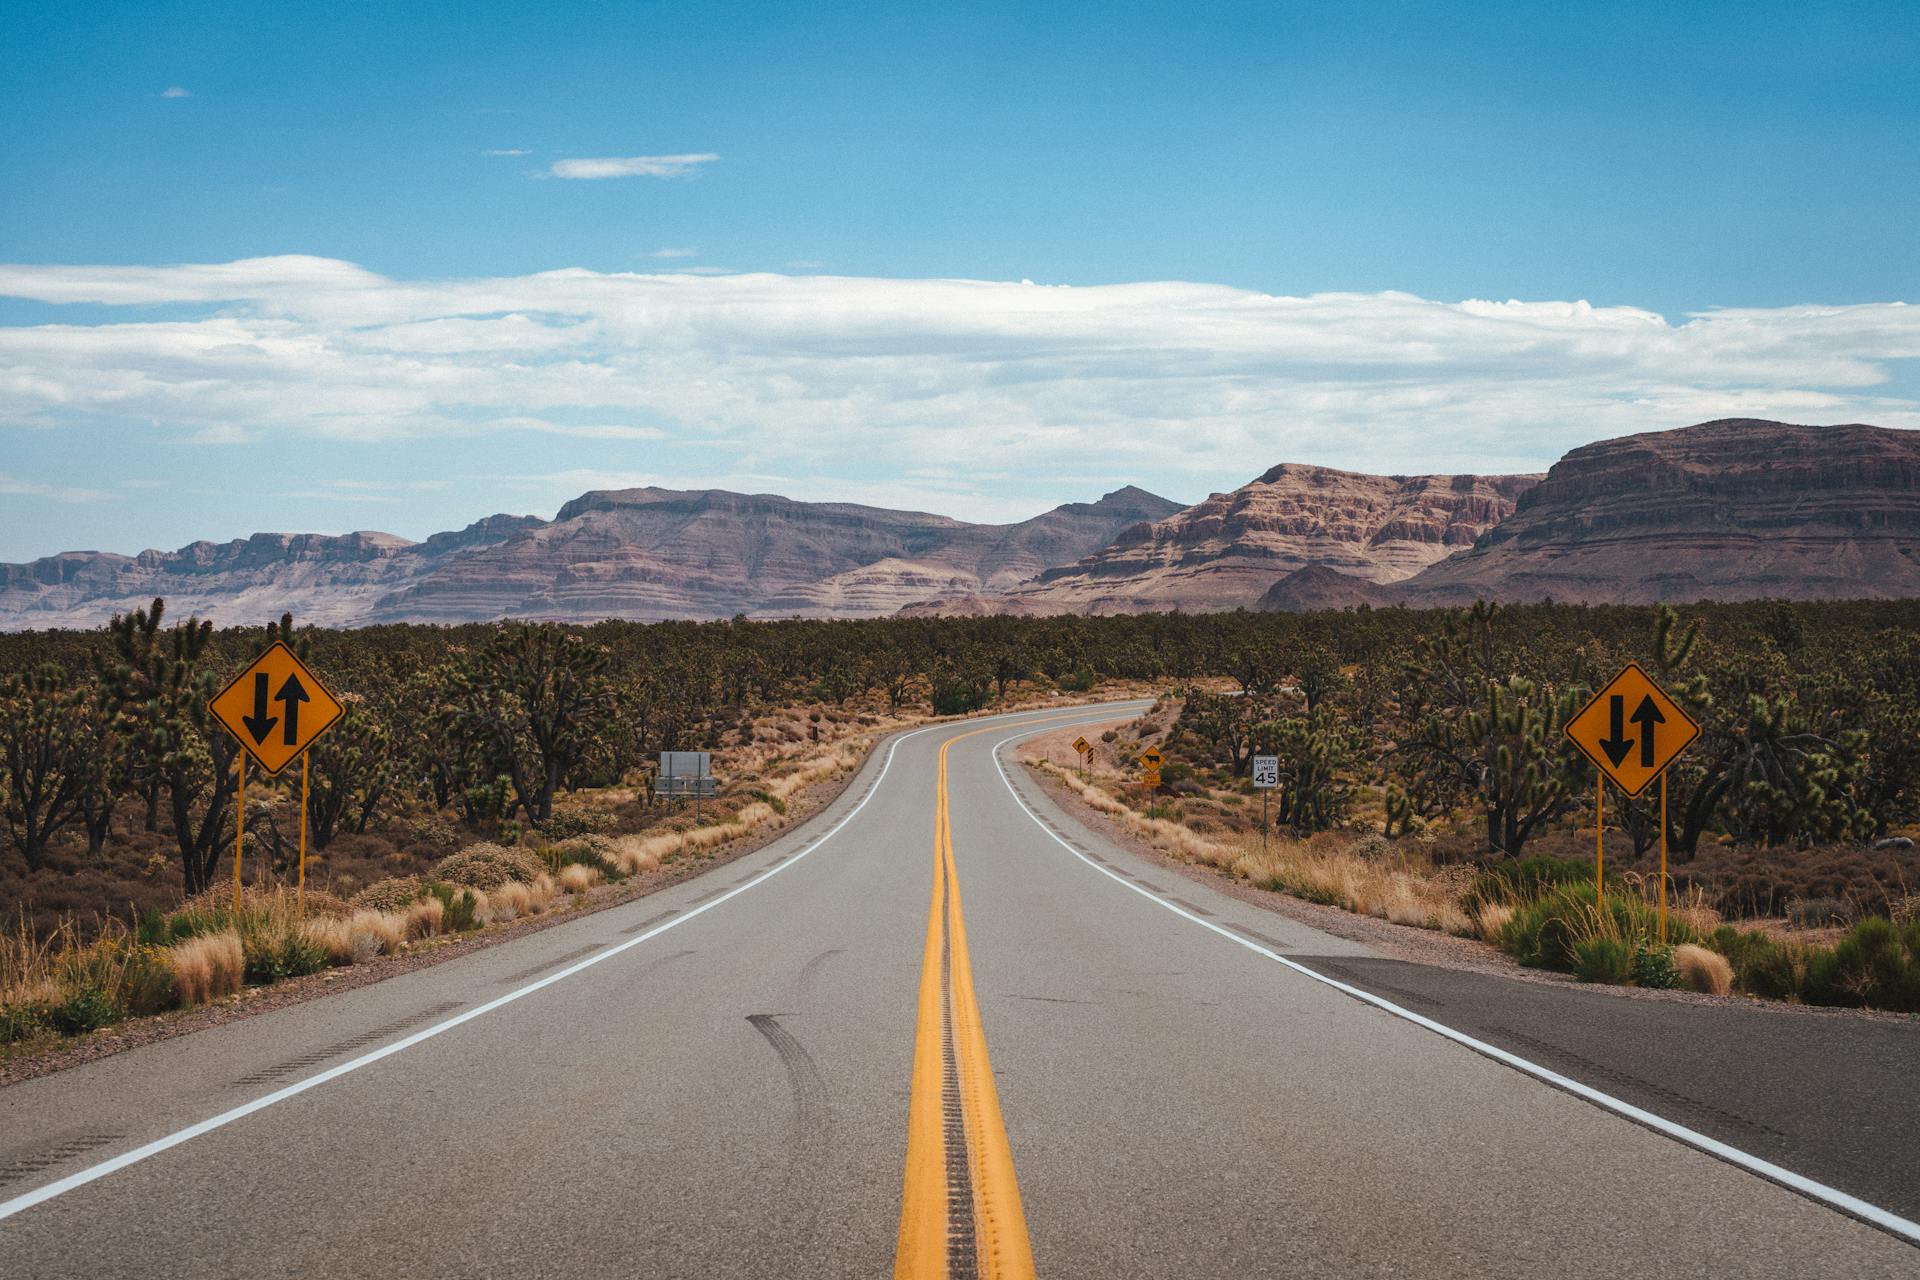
(317, 1056)
(812, 1129)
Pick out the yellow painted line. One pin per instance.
(1002, 1248)
(921, 1250)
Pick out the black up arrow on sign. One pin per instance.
(292, 694)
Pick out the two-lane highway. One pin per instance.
(938, 1030)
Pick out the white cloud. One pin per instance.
(174, 91)
(673, 253)
(506, 151)
(12, 488)
(631, 166)
(905, 390)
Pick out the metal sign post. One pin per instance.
(1150, 776)
(686, 773)
(1661, 731)
(1266, 777)
(247, 707)
(239, 830)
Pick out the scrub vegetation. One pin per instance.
(484, 773)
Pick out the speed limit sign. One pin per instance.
(1266, 772)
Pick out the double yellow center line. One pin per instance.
(960, 1214)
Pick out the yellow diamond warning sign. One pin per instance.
(1632, 730)
(1082, 746)
(276, 707)
(1150, 766)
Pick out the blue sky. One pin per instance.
(1659, 159)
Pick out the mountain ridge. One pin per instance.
(645, 553)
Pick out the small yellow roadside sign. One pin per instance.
(1083, 746)
(276, 708)
(1632, 730)
(1150, 766)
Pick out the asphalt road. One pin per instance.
(727, 1079)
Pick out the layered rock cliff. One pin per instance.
(1227, 551)
(1735, 509)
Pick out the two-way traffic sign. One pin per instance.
(1632, 730)
(276, 708)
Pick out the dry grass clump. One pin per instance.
(424, 916)
(509, 902)
(1490, 918)
(635, 854)
(1703, 970)
(578, 878)
(358, 938)
(805, 772)
(207, 967)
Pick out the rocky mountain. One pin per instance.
(327, 580)
(1733, 509)
(1227, 551)
(1736, 509)
(1318, 587)
(634, 553)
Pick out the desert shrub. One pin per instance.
(459, 907)
(1821, 913)
(1542, 932)
(769, 799)
(597, 852)
(84, 1010)
(1654, 966)
(1080, 680)
(24, 1018)
(134, 978)
(1876, 966)
(426, 828)
(1761, 966)
(207, 966)
(487, 866)
(275, 945)
(396, 893)
(1599, 958)
(321, 903)
(1702, 970)
(159, 929)
(565, 824)
(1526, 879)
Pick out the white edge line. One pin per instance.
(1833, 1197)
(93, 1173)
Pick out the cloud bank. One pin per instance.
(1173, 385)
